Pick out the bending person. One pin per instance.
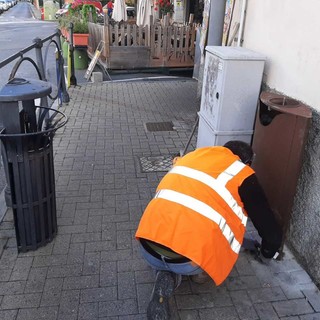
(196, 222)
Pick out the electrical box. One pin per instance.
(230, 92)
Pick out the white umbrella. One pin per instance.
(119, 12)
(144, 13)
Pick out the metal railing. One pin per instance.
(41, 47)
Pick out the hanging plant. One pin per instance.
(76, 7)
(85, 12)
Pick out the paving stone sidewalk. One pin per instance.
(92, 269)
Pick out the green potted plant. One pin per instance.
(79, 15)
(80, 32)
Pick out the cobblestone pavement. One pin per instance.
(92, 269)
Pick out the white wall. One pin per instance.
(287, 32)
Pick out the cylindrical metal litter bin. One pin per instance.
(280, 134)
(28, 156)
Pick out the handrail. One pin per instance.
(39, 63)
(25, 50)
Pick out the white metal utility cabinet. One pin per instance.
(230, 91)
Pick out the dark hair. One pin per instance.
(241, 149)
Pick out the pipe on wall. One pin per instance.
(216, 21)
(242, 17)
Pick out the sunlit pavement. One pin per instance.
(93, 269)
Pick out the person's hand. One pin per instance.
(260, 258)
(251, 245)
(175, 160)
(254, 247)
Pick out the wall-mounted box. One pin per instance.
(281, 130)
(230, 92)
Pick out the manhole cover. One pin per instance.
(158, 163)
(159, 126)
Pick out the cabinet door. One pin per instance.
(211, 90)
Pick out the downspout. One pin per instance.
(216, 19)
(242, 17)
(213, 37)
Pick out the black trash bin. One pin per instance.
(280, 134)
(27, 153)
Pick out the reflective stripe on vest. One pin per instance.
(230, 172)
(203, 209)
(218, 185)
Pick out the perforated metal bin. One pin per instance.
(26, 136)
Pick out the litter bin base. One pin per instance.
(33, 196)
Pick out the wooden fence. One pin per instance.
(128, 46)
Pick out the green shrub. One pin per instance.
(80, 26)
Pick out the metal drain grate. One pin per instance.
(159, 126)
(158, 163)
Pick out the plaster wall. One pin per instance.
(304, 232)
(287, 33)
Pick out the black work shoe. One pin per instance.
(158, 308)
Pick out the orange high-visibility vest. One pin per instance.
(197, 210)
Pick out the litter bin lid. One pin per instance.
(19, 89)
(235, 53)
(284, 104)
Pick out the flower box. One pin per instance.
(80, 39)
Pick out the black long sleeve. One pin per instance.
(261, 215)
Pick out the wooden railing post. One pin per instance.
(191, 17)
(152, 38)
(106, 49)
(149, 30)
